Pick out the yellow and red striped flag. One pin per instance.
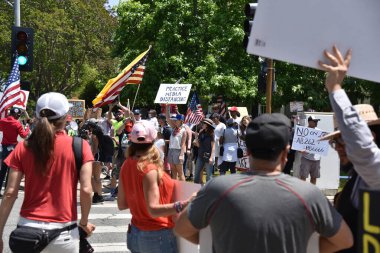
(132, 74)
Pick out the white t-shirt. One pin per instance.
(218, 132)
(154, 122)
(175, 140)
(160, 144)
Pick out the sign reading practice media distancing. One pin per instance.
(308, 139)
(173, 94)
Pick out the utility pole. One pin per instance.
(268, 106)
(16, 7)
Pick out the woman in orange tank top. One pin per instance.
(148, 192)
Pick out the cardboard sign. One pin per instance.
(308, 139)
(173, 94)
(24, 95)
(183, 190)
(243, 163)
(297, 31)
(296, 106)
(369, 222)
(90, 113)
(77, 110)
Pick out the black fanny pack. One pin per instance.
(33, 240)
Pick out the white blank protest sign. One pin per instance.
(297, 31)
(173, 93)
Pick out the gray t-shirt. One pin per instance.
(230, 135)
(266, 214)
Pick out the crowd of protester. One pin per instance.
(269, 210)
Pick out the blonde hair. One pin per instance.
(148, 154)
(41, 141)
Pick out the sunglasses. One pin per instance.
(336, 141)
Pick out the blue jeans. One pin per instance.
(158, 241)
(198, 169)
(4, 168)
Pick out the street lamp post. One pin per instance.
(16, 7)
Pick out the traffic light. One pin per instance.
(25, 85)
(250, 9)
(22, 43)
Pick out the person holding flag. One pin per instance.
(10, 125)
(11, 128)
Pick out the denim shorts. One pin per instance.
(157, 241)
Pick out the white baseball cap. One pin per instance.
(55, 102)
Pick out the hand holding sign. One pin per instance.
(307, 139)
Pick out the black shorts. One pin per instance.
(101, 157)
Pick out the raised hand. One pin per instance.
(336, 68)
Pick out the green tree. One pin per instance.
(201, 40)
(72, 44)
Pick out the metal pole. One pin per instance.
(268, 106)
(16, 7)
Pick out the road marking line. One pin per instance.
(110, 229)
(95, 216)
(110, 247)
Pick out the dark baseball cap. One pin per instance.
(268, 135)
(136, 112)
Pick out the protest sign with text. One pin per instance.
(173, 93)
(308, 139)
(77, 110)
(297, 31)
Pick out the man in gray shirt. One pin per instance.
(264, 210)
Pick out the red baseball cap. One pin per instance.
(234, 109)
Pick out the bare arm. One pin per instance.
(85, 197)
(10, 197)
(343, 239)
(152, 197)
(185, 229)
(212, 152)
(109, 113)
(127, 112)
(122, 203)
(183, 144)
(170, 122)
(189, 137)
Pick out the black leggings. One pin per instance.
(225, 166)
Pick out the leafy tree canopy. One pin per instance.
(72, 45)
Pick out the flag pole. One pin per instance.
(134, 100)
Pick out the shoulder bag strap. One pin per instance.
(77, 148)
(237, 136)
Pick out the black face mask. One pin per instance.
(346, 167)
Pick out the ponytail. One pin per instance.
(41, 141)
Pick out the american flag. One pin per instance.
(194, 114)
(222, 107)
(11, 92)
(132, 74)
(138, 74)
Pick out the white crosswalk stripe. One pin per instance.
(111, 227)
(109, 247)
